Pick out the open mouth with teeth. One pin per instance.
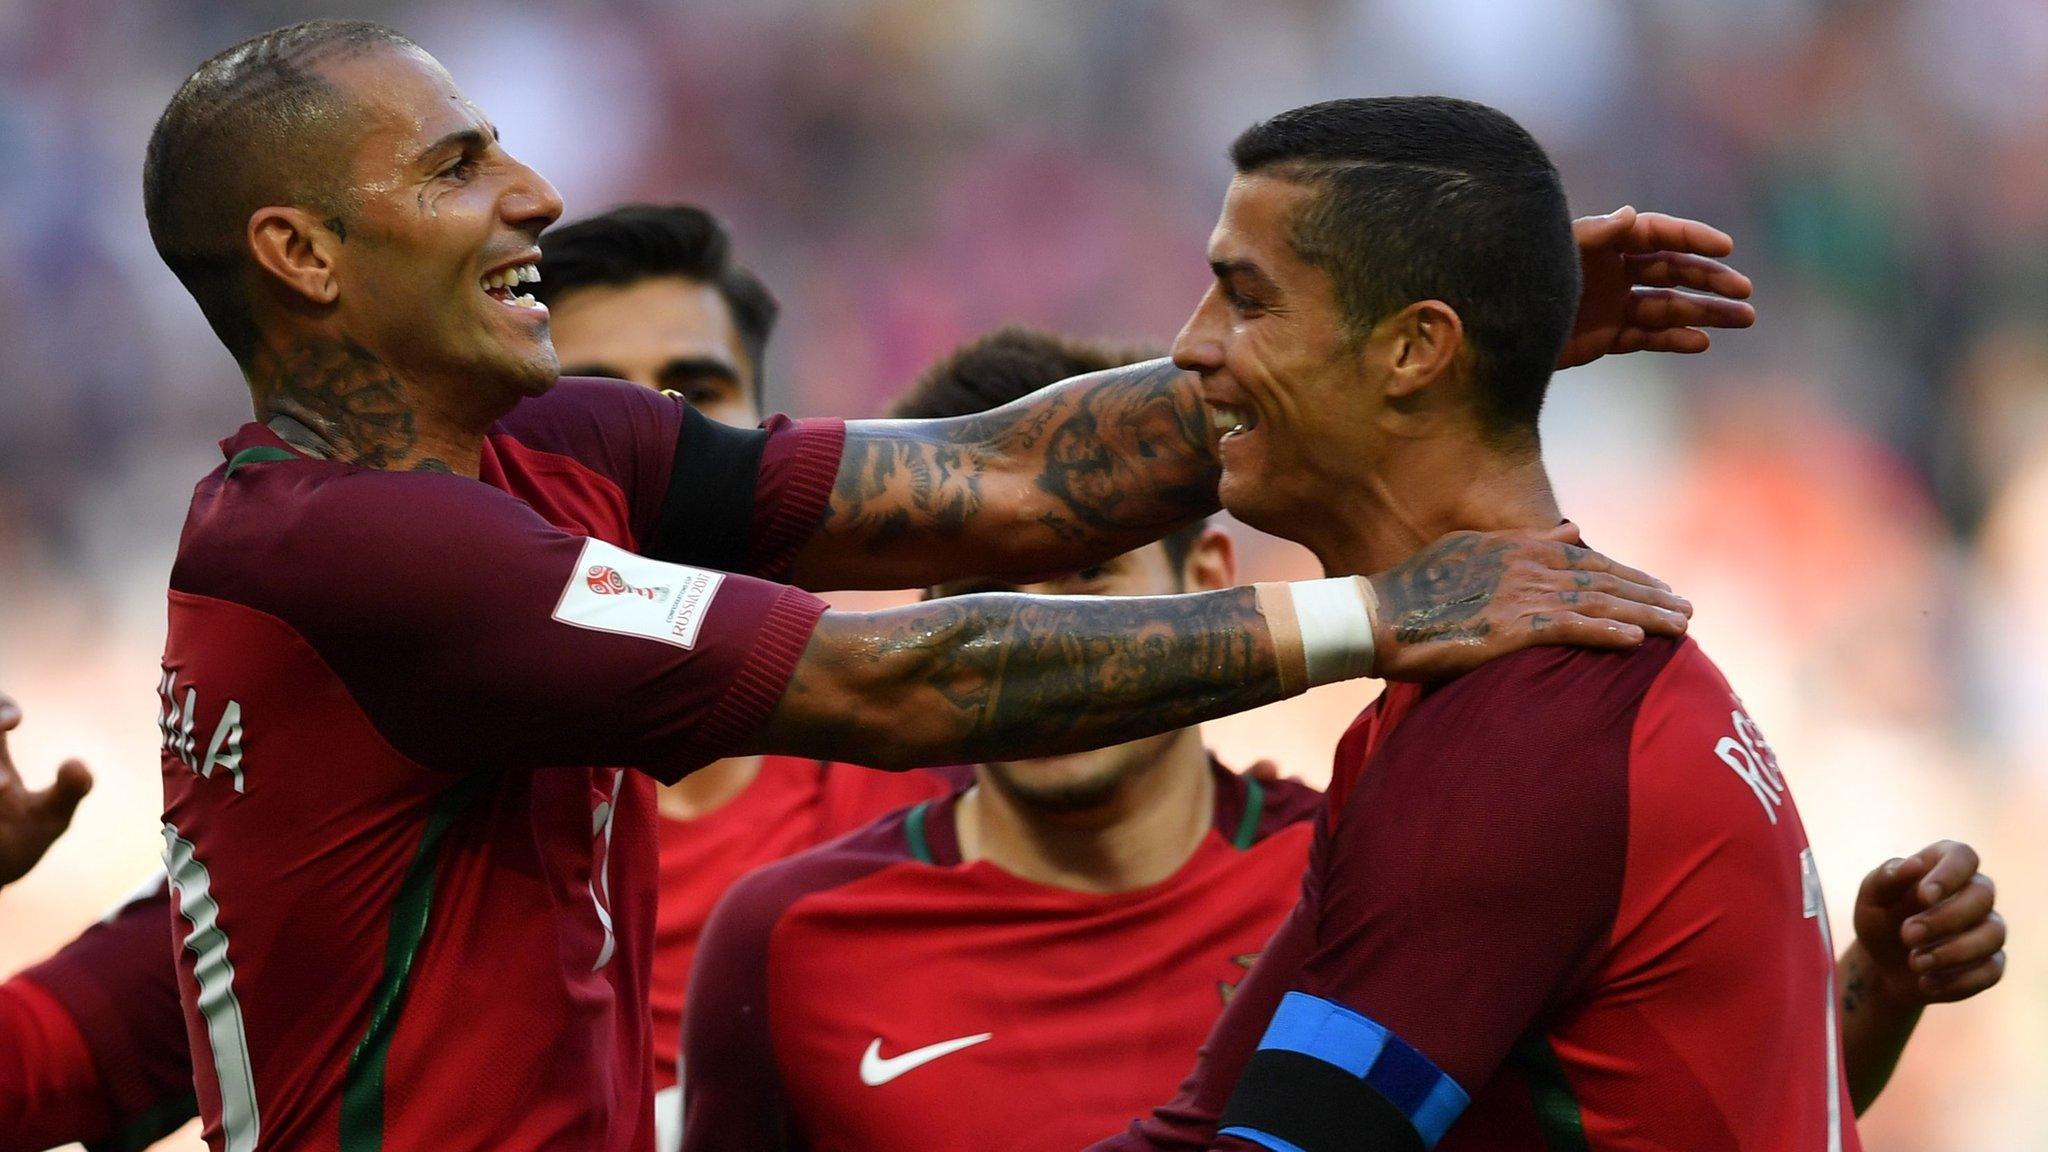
(500, 286)
(1228, 420)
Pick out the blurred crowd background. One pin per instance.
(1854, 493)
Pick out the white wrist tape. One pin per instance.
(1336, 627)
(1322, 629)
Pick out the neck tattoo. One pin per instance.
(335, 399)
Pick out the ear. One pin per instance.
(1422, 341)
(293, 247)
(1211, 565)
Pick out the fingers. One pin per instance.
(1963, 981)
(1593, 232)
(1685, 270)
(1650, 618)
(1958, 914)
(1576, 584)
(1581, 630)
(1888, 883)
(1655, 308)
(1951, 865)
(1654, 231)
(10, 719)
(57, 803)
(1578, 558)
(1564, 532)
(1684, 340)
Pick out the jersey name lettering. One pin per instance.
(175, 722)
(1750, 755)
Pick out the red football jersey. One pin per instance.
(92, 1040)
(1564, 901)
(791, 806)
(877, 993)
(408, 912)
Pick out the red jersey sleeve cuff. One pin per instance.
(798, 469)
(760, 682)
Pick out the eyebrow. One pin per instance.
(693, 367)
(1229, 269)
(462, 139)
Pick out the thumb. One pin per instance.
(1564, 532)
(1889, 882)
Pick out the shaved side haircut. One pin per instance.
(1435, 198)
(255, 126)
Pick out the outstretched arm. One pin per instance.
(1006, 676)
(1926, 933)
(1066, 477)
(1102, 463)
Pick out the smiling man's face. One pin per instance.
(443, 232)
(1286, 384)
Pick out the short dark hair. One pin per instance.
(1011, 363)
(1433, 198)
(641, 241)
(253, 126)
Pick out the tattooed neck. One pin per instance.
(336, 399)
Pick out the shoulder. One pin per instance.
(579, 408)
(1268, 805)
(1540, 702)
(284, 532)
(748, 913)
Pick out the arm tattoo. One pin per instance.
(1853, 989)
(1001, 676)
(337, 399)
(1090, 467)
(1442, 592)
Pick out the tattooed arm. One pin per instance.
(1076, 473)
(1007, 676)
(1926, 933)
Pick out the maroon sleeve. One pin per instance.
(734, 1099)
(112, 1064)
(475, 635)
(697, 492)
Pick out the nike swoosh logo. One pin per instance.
(875, 1071)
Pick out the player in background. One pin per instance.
(1563, 900)
(1022, 963)
(652, 294)
(429, 570)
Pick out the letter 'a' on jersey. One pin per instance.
(1571, 886)
(411, 728)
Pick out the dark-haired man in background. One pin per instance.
(1021, 963)
(652, 293)
(1563, 900)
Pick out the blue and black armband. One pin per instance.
(1326, 1079)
